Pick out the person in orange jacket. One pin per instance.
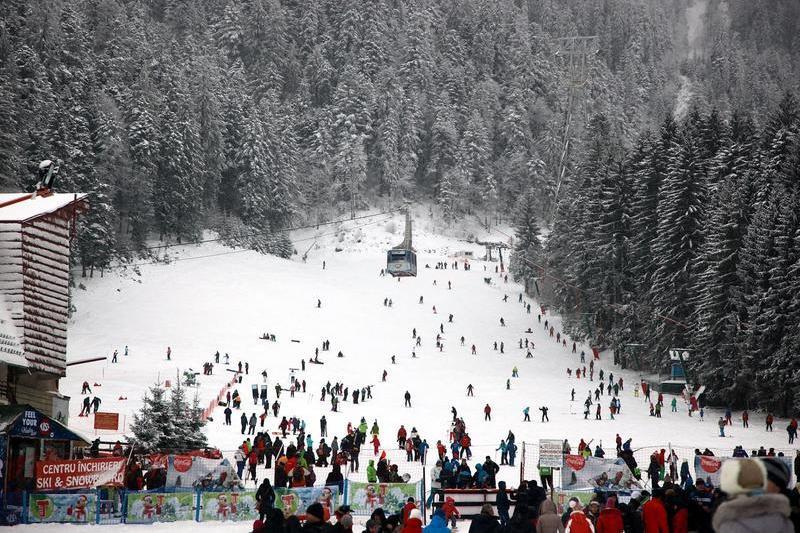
(610, 518)
(654, 514)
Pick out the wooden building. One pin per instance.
(36, 231)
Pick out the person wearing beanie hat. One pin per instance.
(413, 522)
(315, 519)
(578, 522)
(749, 508)
(778, 474)
(610, 518)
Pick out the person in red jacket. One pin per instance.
(680, 515)
(413, 523)
(577, 521)
(610, 519)
(401, 437)
(487, 412)
(654, 514)
(376, 444)
(407, 508)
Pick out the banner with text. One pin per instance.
(80, 474)
(364, 498)
(550, 453)
(225, 506)
(75, 508)
(149, 507)
(595, 473)
(296, 501)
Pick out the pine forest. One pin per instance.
(646, 152)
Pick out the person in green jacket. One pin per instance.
(372, 474)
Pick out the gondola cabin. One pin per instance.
(401, 262)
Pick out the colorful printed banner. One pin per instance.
(363, 498)
(296, 501)
(595, 473)
(80, 474)
(192, 471)
(708, 467)
(224, 506)
(77, 508)
(149, 507)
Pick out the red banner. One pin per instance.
(81, 474)
(106, 421)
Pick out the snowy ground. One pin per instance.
(225, 302)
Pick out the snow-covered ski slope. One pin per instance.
(225, 302)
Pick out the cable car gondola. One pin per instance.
(402, 260)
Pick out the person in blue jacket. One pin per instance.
(502, 503)
(503, 448)
(438, 523)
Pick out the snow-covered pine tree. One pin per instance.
(527, 244)
(152, 423)
(681, 203)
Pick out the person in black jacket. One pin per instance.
(335, 478)
(315, 520)
(502, 503)
(485, 522)
(265, 497)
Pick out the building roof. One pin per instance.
(37, 425)
(11, 351)
(22, 207)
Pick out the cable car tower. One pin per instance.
(402, 260)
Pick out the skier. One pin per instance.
(470, 390)
(114, 357)
(487, 413)
(514, 372)
(527, 415)
(95, 404)
(252, 423)
(508, 384)
(228, 412)
(503, 452)
(243, 421)
(544, 410)
(169, 353)
(502, 322)
(85, 388)
(407, 397)
(323, 427)
(721, 424)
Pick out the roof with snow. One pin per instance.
(22, 207)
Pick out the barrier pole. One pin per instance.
(424, 499)
(197, 506)
(521, 465)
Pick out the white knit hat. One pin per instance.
(742, 476)
(415, 513)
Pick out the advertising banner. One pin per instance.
(708, 467)
(149, 507)
(595, 473)
(550, 453)
(562, 498)
(363, 498)
(296, 501)
(76, 508)
(80, 474)
(193, 471)
(224, 506)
